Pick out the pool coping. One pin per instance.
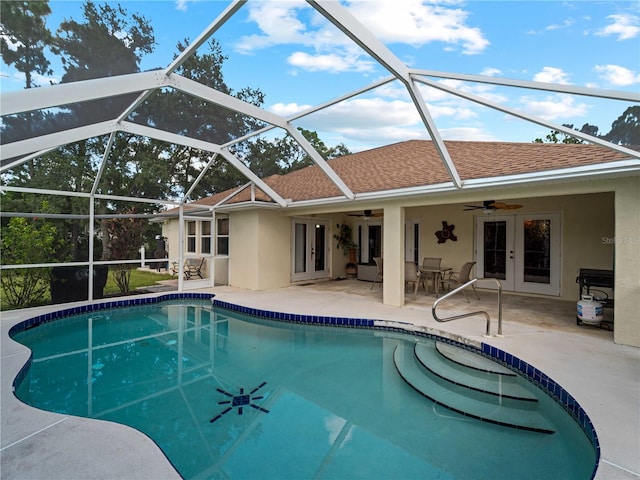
(536, 376)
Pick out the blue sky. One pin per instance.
(298, 59)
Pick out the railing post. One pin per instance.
(499, 334)
(142, 250)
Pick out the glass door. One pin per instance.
(369, 240)
(538, 255)
(310, 249)
(495, 250)
(522, 251)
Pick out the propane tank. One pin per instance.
(590, 311)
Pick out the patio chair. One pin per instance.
(378, 278)
(460, 278)
(411, 275)
(192, 267)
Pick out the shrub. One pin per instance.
(26, 242)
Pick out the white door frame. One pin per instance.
(304, 249)
(512, 241)
(412, 240)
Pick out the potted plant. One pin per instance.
(349, 247)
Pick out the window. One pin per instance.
(222, 243)
(191, 237)
(205, 241)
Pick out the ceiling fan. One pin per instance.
(490, 205)
(367, 214)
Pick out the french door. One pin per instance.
(310, 252)
(522, 251)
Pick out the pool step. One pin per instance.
(479, 374)
(471, 360)
(488, 407)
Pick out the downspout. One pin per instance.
(92, 211)
(214, 249)
(181, 247)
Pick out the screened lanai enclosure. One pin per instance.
(99, 160)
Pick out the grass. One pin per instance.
(139, 278)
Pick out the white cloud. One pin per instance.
(551, 75)
(624, 26)
(485, 91)
(617, 75)
(558, 26)
(13, 46)
(287, 109)
(375, 121)
(555, 107)
(290, 22)
(491, 72)
(417, 23)
(376, 136)
(182, 5)
(333, 62)
(467, 134)
(369, 112)
(279, 24)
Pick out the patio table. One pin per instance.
(435, 273)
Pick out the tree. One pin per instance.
(284, 155)
(555, 136)
(23, 40)
(107, 41)
(124, 239)
(24, 36)
(183, 114)
(25, 242)
(625, 130)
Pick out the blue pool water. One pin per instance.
(226, 395)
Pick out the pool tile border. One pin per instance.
(95, 307)
(539, 378)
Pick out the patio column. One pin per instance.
(393, 247)
(627, 263)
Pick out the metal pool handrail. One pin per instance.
(471, 314)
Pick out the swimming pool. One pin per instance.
(227, 394)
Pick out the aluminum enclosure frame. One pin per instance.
(16, 153)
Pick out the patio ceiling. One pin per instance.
(141, 87)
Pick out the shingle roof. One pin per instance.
(416, 163)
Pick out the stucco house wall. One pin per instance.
(627, 262)
(259, 249)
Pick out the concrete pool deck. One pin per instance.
(602, 376)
